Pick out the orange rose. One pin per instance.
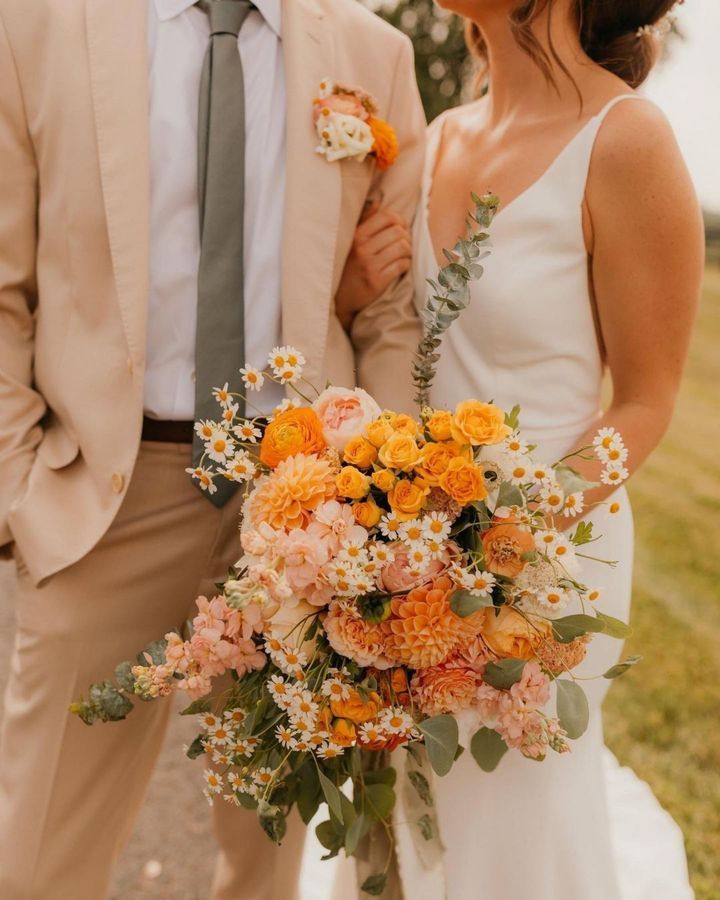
(356, 709)
(479, 423)
(292, 432)
(509, 634)
(400, 452)
(384, 479)
(435, 459)
(386, 147)
(504, 547)
(463, 481)
(440, 425)
(343, 733)
(379, 431)
(367, 514)
(351, 483)
(360, 453)
(406, 499)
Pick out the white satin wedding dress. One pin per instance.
(577, 826)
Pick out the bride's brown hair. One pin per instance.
(608, 31)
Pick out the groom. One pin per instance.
(113, 314)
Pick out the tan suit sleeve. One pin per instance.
(385, 334)
(21, 407)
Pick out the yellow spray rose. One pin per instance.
(479, 423)
(400, 451)
(351, 483)
(435, 459)
(367, 513)
(384, 479)
(378, 432)
(406, 499)
(463, 481)
(439, 425)
(405, 424)
(360, 453)
(356, 709)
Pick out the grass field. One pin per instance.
(664, 718)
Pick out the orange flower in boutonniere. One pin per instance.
(348, 127)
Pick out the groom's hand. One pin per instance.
(381, 253)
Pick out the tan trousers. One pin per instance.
(69, 793)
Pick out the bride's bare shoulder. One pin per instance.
(454, 121)
(636, 152)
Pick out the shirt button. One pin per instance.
(118, 483)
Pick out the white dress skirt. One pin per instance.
(577, 826)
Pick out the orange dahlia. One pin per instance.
(386, 147)
(422, 629)
(289, 494)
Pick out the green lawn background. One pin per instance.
(663, 718)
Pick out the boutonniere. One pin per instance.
(348, 126)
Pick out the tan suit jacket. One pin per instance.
(74, 233)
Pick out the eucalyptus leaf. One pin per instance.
(615, 627)
(124, 676)
(510, 495)
(356, 832)
(379, 801)
(201, 705)
(196, 749)
(504, 674)
(156, 651)
(622, 668)
(569, 628)
(331, 838)
(488, 748)
(464, 603)
(441, 742)
(332, 796)
(571, 481)
(572, 707)
(425, 824)
(374, 884)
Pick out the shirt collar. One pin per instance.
(268, 9)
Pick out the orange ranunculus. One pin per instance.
(463, 481)
(293, 431)
(435, 459)
(504, 547)
(386, 147)
(439, 425)
(400, 451)
(384, 479)
(367, 514)
(360, 452)
(357, 710)
(510, 634)
(343, 733)
(406, 499)
(351, 483)
(479, 423)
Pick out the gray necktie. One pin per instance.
(220, 342)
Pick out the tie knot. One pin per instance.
(226, 16)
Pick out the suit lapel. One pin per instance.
(314, 187)
(117, 48)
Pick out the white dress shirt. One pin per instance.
(178, 35)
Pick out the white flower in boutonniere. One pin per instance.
(349, 128)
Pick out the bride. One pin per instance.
(596, 267)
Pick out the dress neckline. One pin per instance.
(507, 207)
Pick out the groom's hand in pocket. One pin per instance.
(381, 253)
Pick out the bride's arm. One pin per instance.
(646, 242)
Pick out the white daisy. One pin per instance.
(263, 776)
(330, 751)
(241, 467)
(480, 584)
(204, 429)
(204, 477)
(220, 447)
(436, 526)
(285, 735)
(381, 553)
(371, 733)
(213, 781)
(335, 688)
(247, 432)
(253, 378)
(412, 531)
(515, 445)
(390, 526)
(574, 504)
(552, 499)
(222, 395)
(614, 474)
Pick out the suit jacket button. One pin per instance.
(118, 483)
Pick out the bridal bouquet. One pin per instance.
(397, 572)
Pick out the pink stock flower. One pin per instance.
(344, 414)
